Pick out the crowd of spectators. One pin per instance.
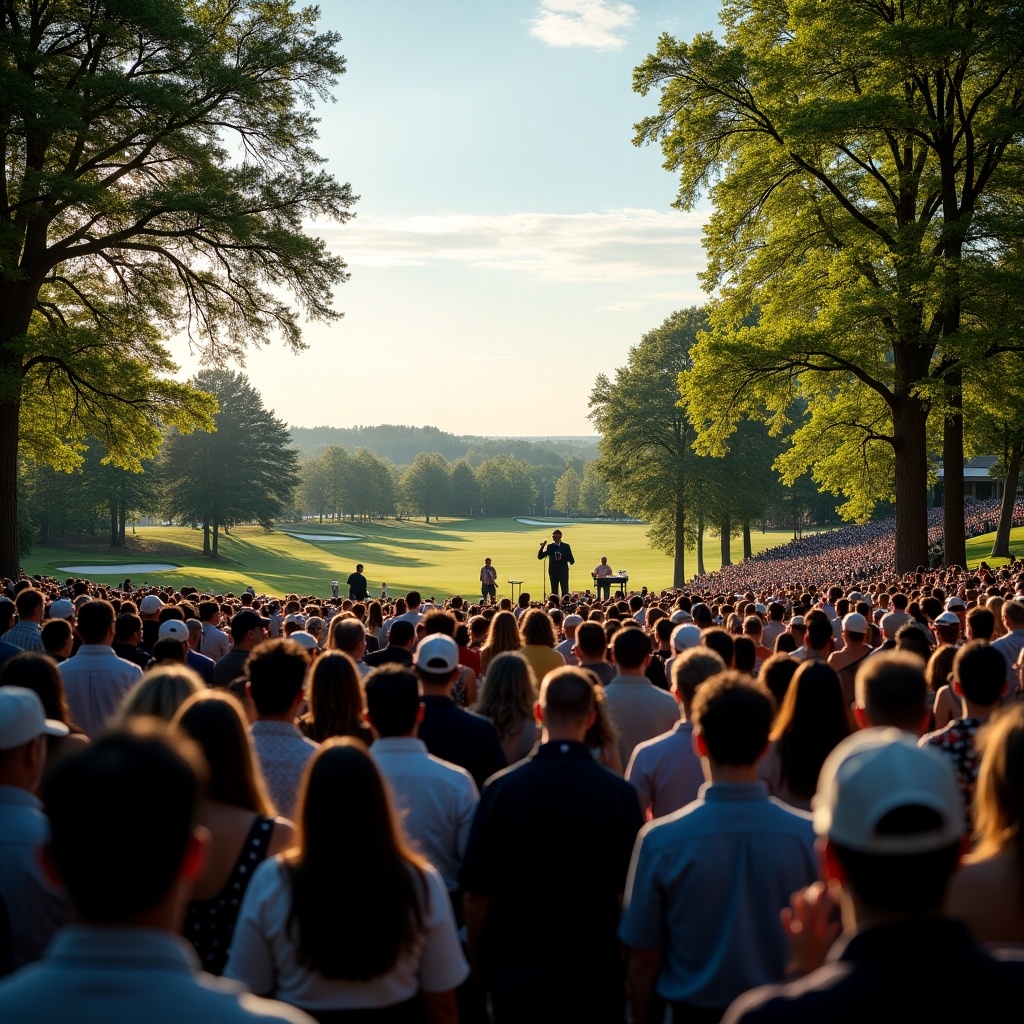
(744, 800)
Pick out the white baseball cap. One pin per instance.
(150, 605)
(22, 718)
(436, 653)
(173, 629)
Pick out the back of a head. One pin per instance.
(276, 671)
(630, 649)
(892, 814)
(159, 693)
(392, 700)
(122, 812)
(744, 657)
(590, 640)
(125, 627)
(734, 716)
(439, 621)
(982, 623)
(401, 633)
(777, 673)
(28, 602)
(215, 720)
(980, 669)
(536, 629)
(911, 638)
(999, 794)
(567, 696)
(347, 634)
(720, 641)
(413, 600)
(891, 690)
(818, 629)
(95, 619)
(693, 667)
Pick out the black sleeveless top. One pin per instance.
(210, 924)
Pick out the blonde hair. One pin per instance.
(159, 694)
(509, 693)
(999, 794)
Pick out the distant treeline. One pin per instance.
(401, 444)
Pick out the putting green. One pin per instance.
(438, 559)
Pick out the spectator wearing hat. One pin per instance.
(887, 816)
(452, 733)
(855, 649)
(215, 643)
(34, 907)
(685, 636)
(666, 771)
(248, 631)
(149, 611)
(96, 679)
(26, 634)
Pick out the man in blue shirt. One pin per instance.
(707, 883)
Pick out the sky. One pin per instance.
(510, 243)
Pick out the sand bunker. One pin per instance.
(130, 569)
(322, 536)
(537, 522)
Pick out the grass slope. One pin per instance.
(438, 559)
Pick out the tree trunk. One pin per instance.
(1001, 544)
(725, 530)
(910, 448)
(953, 539)
(216, 537)
(113, 522)
(700, 545)
(206, 536)
(122, 523)
(747, 549)
(679, 564)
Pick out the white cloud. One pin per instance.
(596, 23)
(614, 245)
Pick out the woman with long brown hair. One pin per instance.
(239, 816)
(335, 699)
(502, 636)
(509, 695)
(300, 936)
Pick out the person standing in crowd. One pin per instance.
(559, 798)
(559, 558)
(889, 822)
(357, 585)
(732, 848)
(125, 845)
(26, 634)
(488, 582)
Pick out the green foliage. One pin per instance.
(568, 489)
(159, 177)
(426, 485)
(506, 486)
(864, 165)
(243, 471)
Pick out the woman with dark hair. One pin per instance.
(812, 720)
(39, 673)
(301, 935)
(240, 819)
(335, 699)
(502, 636)
(538, 635)
(374, 619)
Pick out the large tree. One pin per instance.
(863, 159)
(426, 485)
(246, 470)
(158, 176)
(646, 442)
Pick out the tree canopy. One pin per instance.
(245, 470)
(864, 163)
(159, 174)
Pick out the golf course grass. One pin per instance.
(438, 558)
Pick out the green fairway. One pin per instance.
(438, 559)
(978, 548)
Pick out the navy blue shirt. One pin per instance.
(461, 737)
